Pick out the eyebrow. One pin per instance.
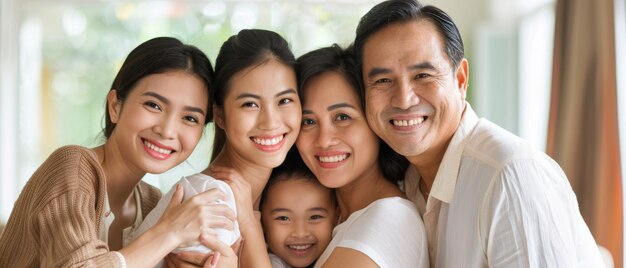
(319, 209)
(376, 71)
(340, 105)
(332, 107)
(379, 70)
(168, 102)
(422, 65)
(250, 95)
(280, 210)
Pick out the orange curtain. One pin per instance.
(583, 126)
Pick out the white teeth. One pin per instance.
(406, 123)
(300, 247)
(272, 141)
(155, 148)
(333, 159)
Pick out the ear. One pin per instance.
(115, 106)
(218, 116)
(462, 77)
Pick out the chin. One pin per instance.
(273, 162)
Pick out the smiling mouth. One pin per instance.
(300, 247)
(408, 123)
(268, 142)
(157, 148)
(333, 159)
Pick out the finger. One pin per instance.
(194, 258)
(221, 210)
(217, 245)
(177, 198)
(172, 260)
(212, 261)
(218, 223)
(168, 262)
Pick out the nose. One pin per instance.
(327, 135)
(166, 127)
(300, 229)
(404, 95)
(269, 118)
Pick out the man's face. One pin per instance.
(414, 99)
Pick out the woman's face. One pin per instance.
(261, 113)
(160, 122)
(335, 141)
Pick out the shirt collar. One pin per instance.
(445, 181)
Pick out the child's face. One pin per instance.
(298, 218)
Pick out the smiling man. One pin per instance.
(487, 198)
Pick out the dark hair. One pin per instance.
(393, 11)
(247, 48)
(342, 61)
(291, 169)
(160, 55)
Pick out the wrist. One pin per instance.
(160, 233)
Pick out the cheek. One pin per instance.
(293, 119)
(191, 138)
(304, 142)
(376, 98)
(237, 123)
(279, 233)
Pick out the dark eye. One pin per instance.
(285, 101)
(342, 117)
(317, 217)
(308, 121)
(191, 119)
(282, 218)
(422, 75)
(382, 81)
(250, 104)
(152, 105)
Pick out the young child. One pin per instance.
(298, 214)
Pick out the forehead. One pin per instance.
(404, 43)
(318, 89)
(174, 85)
(267, 77)
(297, 191)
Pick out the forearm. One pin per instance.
(254, 253)
(150, 248)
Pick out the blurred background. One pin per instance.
(546, 70)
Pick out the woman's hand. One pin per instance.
(198, 215)
(241, 189)
(222, 255)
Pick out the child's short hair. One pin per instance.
(292, 168)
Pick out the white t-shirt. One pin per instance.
(389, 231)
(277, 262)
(498, 202)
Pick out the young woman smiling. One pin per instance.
(257, 115)
(81, 204)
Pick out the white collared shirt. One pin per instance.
(498, 202)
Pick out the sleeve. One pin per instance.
(391, 233)
(68, 235)
(532, 219)
(66, 222)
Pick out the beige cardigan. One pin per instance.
(56, 219)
